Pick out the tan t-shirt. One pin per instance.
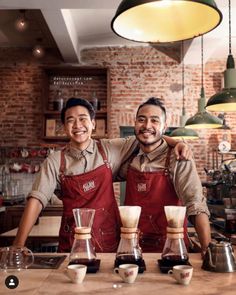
(183, 174)
(77, 162)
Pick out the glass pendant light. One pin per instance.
(38, 50)
(225, 100)
(22, 23)
(157, 21)
(202, 119)
(182, 132)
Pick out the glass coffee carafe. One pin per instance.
(174, 251)
(15, 258)
(83, 251)
(129, 250)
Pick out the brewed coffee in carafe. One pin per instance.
(128, 250)
(174, 251)
(83, 251)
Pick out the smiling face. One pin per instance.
(79, 126)
(149, 127)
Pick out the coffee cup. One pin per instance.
(76, 273)
(128, 272)
(182, 273)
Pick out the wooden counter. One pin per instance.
(12, 215)
(46, 227)
(150, 282)
(46, 231)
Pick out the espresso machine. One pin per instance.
(221, 194)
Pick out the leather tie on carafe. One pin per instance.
(82, 233)
(129, 233)
(175, 232)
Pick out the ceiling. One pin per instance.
(72, 25)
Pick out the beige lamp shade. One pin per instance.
(157, 21)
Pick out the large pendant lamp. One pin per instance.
(225, 100)
(182, 132)
(163, 21)
(202, 119)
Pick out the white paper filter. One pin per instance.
(130, 215)
(175, 215)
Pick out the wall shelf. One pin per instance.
(72, 81)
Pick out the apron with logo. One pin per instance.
(94, 190)
(152, 191)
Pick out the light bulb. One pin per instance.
(38, 51)
(21, 24)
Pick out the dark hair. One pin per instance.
(73, 102)
(155, 102)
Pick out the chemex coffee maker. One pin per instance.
(83, 251)
(174, 251)
(129, 250)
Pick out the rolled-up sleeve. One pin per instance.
(46, 181)
(189, 188)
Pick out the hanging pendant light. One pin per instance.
(225, 100)
(224, 126)
(157, 21)
(202, 119)
(182, 132)
(21, 24)
(38, 50)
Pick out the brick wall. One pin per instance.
(20, 96)
(141, 72)
(136, 74)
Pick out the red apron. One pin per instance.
(94, 190)
(152, 191)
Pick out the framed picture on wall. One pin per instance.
(100, 127)
(50, 127)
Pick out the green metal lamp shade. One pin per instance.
(183, 133)
(161, 21)
(203, 120)
(224, 101)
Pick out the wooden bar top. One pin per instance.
(54, 281)
(48, 226)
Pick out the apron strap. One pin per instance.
(131, 157)
(63, 162)
(167, 163)
(102, 152)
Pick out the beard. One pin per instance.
(146, 142)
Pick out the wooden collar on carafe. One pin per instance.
(128, 232)
(82, 233)
(175, 232)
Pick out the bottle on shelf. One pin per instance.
(95, 102)
(58, 102)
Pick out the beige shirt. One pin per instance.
(77, 162)
(183, 174)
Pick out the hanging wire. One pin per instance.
(182, 57)
(230, 60)
(230, 27)
(202, 60)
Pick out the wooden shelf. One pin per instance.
(94, 79)
(56, 138)
(65, 139)
(99, 114)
